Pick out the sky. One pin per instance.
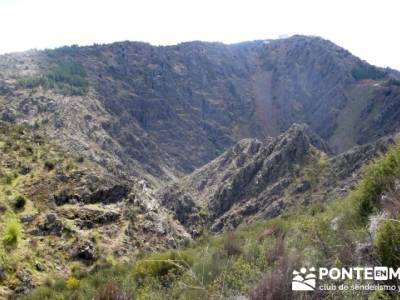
(368, 29)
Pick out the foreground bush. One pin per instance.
(275, 284)
(113, 291)
(12, 232)
(167, 264)
(387, 243)
(231, 245)
(378, 176)
(19, 202)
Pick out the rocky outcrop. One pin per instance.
(259, 179)
(105, 196)
(90, 217)
(84, 250)
(62, 199)
(248, 179)
(350, 162)
(25, 282)
(51, 225)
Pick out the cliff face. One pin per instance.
(161, 112)
(264, 178)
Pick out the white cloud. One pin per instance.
(367, 28)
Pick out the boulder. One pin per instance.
(64, 198)
(84, 250)
(27, 218)
(106, 196)
(25, 282)
(25, 169)
(40, 267)
(305, 185)
(90, 218)
(52, 225)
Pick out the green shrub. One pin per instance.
(162, 264)
(275, 283)
(231, 245)
(379, 295)
(72, 283)
(387, 243)
(48, 165)
(8, 178)
(253, 252)
(43, 293)
(19, 202)
(210, 266)
(378, 176)
(239, 275)
(12, 232)
(276, 251)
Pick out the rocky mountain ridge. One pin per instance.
(161, 112)
(120, 149)
(262, 179)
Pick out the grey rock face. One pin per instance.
(259, 179)
(351, 161)
(107, 196)
(64, 199)
(248, 179)
(52, 225)
(162, 112)
(27, 218)
(91, 219)
(110, 195)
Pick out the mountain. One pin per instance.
(160, 112)
(131, 171)
(262, 179)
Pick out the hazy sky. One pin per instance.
(369, 29)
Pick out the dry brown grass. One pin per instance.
(113, 291)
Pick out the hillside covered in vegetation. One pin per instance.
(60, 212)
(256, 260)
(195, 171)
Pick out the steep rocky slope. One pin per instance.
(161, 112)
(256, 261)
(262, 179)
(57, 209)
